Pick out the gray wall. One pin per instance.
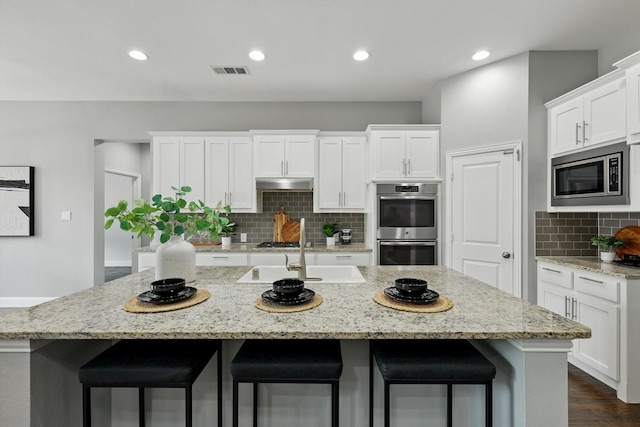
(58, 139)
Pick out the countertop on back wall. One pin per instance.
(594, 265)
(252, 247)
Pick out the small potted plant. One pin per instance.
(329, 229)
(607, 245)
(227, 230)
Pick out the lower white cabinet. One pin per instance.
(607, 305)
(343, 258)
(221, 258)
(277, 258)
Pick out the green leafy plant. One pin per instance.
(167, 215)
(329, 228)
(607, 243)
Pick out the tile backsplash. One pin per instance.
(569, 234)
(298, 204)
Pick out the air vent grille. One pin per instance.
(226, 70)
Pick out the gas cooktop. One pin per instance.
(279, 245)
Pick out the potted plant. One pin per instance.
(607, 245)
(227, 230)
(175, 219)
(329, 229)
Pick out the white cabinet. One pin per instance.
(590, 115)
(342, 174)
(343, 258)
(221, 258)
(277, 258)
(631, 67)
(178, 161)
(405, 151)
(228, 172)
(290, 155)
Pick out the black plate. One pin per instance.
(423, 298)
(283, 299)
(154, 298)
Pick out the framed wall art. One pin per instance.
(16, 200)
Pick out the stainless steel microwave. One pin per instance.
(598, 176)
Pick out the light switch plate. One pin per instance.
(66, 215)
(243, 237)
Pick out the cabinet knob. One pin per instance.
(506, 255)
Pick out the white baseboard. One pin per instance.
(23, 301)
(118, 263)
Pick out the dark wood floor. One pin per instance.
(593, 404)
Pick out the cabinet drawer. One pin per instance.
(277, 258)
(212, 259)
(554, 274)
(597, 285)
(344, 258)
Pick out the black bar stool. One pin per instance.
(430, 362)
(287, 361)
(150, 364)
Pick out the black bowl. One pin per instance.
(167, 286)
(410, 286)
(288, 286)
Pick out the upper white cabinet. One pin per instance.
(590, 115)
(631, 67)
(284, 154)
(178, 161)
(405, 151)
(229, 172)
(341, 184)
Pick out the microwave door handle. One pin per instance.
(423, 197)
(406, 243)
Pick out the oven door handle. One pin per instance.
(407, 197)
(406, 243)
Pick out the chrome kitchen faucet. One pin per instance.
(300, 267)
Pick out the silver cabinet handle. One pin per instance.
(343, 256)
(404, 168)
(225, 198)
(584, 131)
(409, 167)
(552, 270)
(281, 167)
(578, 133)
(344, 199)
(574, 309)
(600, 282)
(229, 198)
(220, 257)
(566, 306)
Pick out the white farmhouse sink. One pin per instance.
(327, 274)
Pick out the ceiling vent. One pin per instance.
(230, 70)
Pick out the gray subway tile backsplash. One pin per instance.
(569, 234)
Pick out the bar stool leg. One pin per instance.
(86, 406)
(370, 387)
(141, 410)
(220, 386)
(255, 404)
(188, 395)
(488, 405)
(449, 405)
(387, 415)
(235, 403)
(335, 404)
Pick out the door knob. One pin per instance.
(506, 255)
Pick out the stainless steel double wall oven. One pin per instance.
(407, 224)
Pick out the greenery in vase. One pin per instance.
(167, 216)
(607, 243)
(330, 228)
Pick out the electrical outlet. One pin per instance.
(243, 237)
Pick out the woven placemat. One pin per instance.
(273, 308)
(133, 305)
(441, 304)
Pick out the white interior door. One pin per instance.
(118, 245)
(483, 217)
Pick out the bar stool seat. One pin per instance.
(287, 361)
(151, 364)
(430, 362)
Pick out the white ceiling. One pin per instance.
(77, 49)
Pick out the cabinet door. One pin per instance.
(422, 154)
(605, 113)
(329, 185)
(633, 104)
(277, 258)
(166, 164)
(216, 170)
(299, 157)
(269, 156)
(601, 350)
(192, 166)
(389, 154)
(554, 298)
(565, 131)
(242, 185)
(354, 173)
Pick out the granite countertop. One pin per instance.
(348, 312)
(594, 265)
(252, 247)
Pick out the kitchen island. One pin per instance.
(527, 343)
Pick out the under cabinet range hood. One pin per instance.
(284, 184)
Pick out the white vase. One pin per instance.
(607, 256)
(331, 241)
(176, 259)
(226, 241)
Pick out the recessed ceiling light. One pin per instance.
(256, 55)
(361, 55)
(136, 54)
(480, 55)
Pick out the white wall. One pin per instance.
(58, 139)
(623, 47)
